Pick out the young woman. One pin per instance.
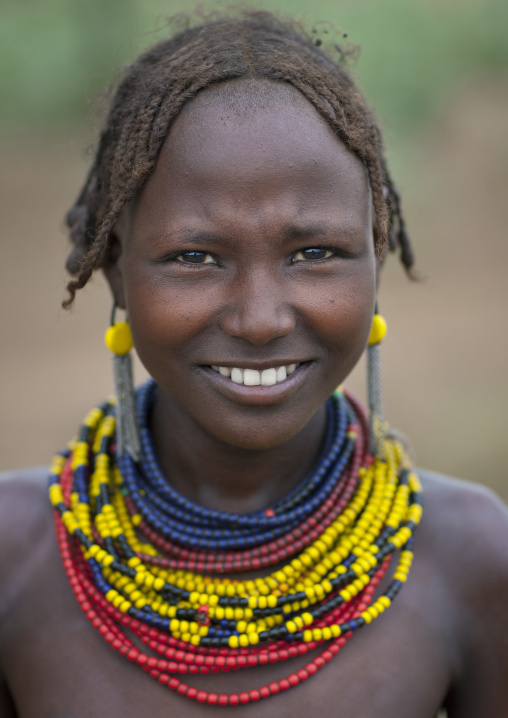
(242, 534)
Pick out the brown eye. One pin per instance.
(312, 253)
(195, 258)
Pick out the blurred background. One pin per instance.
(437, 73)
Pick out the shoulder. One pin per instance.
(25, 528)
(464, 543)
(466, 527)
(22, 494)
(469, 521)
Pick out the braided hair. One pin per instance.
(155, 87)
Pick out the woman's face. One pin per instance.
(249, 251)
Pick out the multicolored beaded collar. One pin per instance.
(145, 561)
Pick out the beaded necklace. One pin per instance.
(143, 560)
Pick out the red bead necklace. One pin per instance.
(177, 656)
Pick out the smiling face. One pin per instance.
(249, 249)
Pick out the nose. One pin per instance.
(258, 309)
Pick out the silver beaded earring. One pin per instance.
(119, 340)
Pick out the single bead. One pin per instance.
(378, 330)
(119, 338)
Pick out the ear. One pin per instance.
(112, 265)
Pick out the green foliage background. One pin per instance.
(56, 54)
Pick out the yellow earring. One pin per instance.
(374, 386)
(378, 330)
(119, 340)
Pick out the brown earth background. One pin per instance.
(445, 356)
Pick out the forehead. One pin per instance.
(244, 141)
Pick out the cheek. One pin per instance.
(159, 333)
(166, 318)
(343, 316)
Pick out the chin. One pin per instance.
(257, 434)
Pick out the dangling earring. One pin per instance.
(374, 387)
(119, 340)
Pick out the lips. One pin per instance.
(254, 377)
(255, 393)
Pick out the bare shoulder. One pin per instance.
(25, 528)
(469, 521)
(464, 542)
(22, 494)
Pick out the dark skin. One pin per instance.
(248, 193)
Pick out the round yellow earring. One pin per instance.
(378, 329)
(119, 338)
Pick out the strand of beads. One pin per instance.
(162, 669)
(294, 539)
(186, 523)
(126, 574)
(262, 556)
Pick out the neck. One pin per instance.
(220, 476)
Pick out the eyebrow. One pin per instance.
(304, 231)
(190, 236)
(289, 232)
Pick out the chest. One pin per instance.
(58, 665)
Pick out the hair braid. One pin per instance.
(153, 90)
(398, 237)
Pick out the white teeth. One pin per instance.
(281, 373)
(237, 376)
(253, 377)
(269, 377)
